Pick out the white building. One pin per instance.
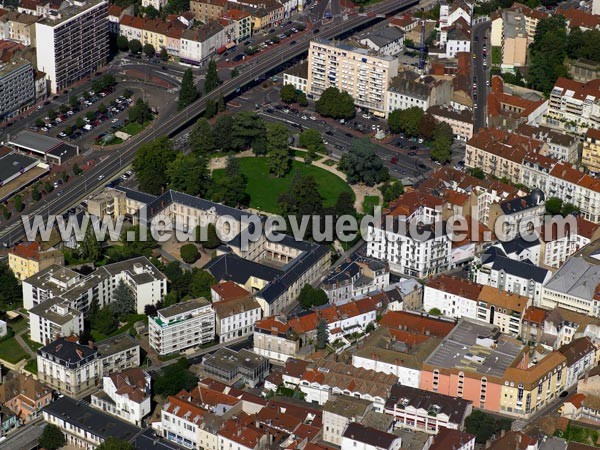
(581, 358)
(355, 278)
(156, 4)
(360, 437)
(338, 413)
(574, 106)
(52, 319)
(125, 394)
(453, 297)
(73, 43)
(182, 326)
(146, 283)
(297, 76)
(199, 44)
(385, 41)
(409, 89)
(404, 373)
(17, 86)
(236, 318)
(557, 249)
(561, 146)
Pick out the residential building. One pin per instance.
(242, 436)
(526, 247)
(518, 440)
(360, 437)
(181, 326)
(453, 297)
(506, 274)
(125, 394)
(198, 45)
(232, 367)
(297, 76)
(574, 106)
(275, 339)
(76, 369)
(146, 283)
(507, 110)
(561, 146)
(461, 122)
(559, 248)
(79, 29)
(580, 355)
(582, 408)
(322, 379)
(206, 10)
(235, 318)
(561, 326)
(364, 74)
(410, 89)
(156, 4)
(18, 27)
(338, 412)
(227, 291)
(448, 438)
(17, 87)
(27, 259)
(385, 41)
(54, 318)
(532, 325)
(590, 156)
(502, 308)
(242, 21)
(354, 278)
(84, 426)
(24, 395)
(574, 287)
(115, 14)
(578, 18)
(458, 38)
(406, 22)
(519, 216)
(425, 411)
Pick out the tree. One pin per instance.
(52, 438)
(405, 120)
(335, 104)
(18, 203)
(73, 101)
(310, 296)
(555, 206)
(140, 112)
(135, 46)
(279, 160)
(212, 239)
(40, 123)
(163, 55)
(149, 50)
(322, 334)
(442, 140)
(35, 193)
(484, 425)
(113, 443)
(77, 170)
(102, 109)
(150, 164)
(435, 312)
(288, 93)
(52, 114)
(188, 93)
(79, 123)
(202, 139)
(108, 80)
(151, 12)
(312, 140)
(248, 131)
(391, 190)
(477, 173)
(10, 289)
(547, 53)
(63, 108)
(189, 253)
(104, 321)
(122, 43)
(89, 248)
(302, 199)
(234, 72)
(221, 103)
(200, 283)
(90, 115)
(173, 378)
(211, 109)
(362, 165)
(231, 189)
(211, 82)
(222, 131)
(344, 205)
(427, 127)
(123, 301)
(189, 174)
(302, 100)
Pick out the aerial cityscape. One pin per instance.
(299, 225)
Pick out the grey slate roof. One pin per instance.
(371, 436)
(576, 277)
(385, 36)
(69, 354)
(137, 196)
(519, 245)
(231, 267)
(535, 198)
(522, 269)
(13, 163)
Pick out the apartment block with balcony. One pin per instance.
(52, 319)
(72, 44)
(574, 106)
(364, 74)
(182, 326)
(590, 156)
(17, 87)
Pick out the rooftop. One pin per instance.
(116, 344)
(577, 277)
(13, 164)
(351, 408)
(183, 307)
(230, 360)
(369, 436)
(70, 9)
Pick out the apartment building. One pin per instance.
(457, 38)
(502, 309)
(17, 87)
(575, 187)
(297, 76)
(27, 258)
(232, 367)
(24, 395)
(424, 411)
(364, 74)
(557, 249)
(590, 156)
(54, 318)
(146, 283)
(275, 339)
(338, 412)
(519, 216)
(453, 297)
(410, 89)
(361, 437)
(235, 318)
(355, 278)
(75, 370)
(181, 326)
(574, 106)
(125, 394)
(159, 33)
(242, 24)
(461, 122)
(206, 10)
(199, 44)
(561, 146)
(18, 27)
(73, 43)
(507, 110)
(580, 355)
(86, 427)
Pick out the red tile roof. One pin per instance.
(27, 250)
(579, 18)
(580, 90)
(415, 323)
(456, 286)
(228, 290)
(535, 315)
(409, 202)
(245, 435)
(576, 400)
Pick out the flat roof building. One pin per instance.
(52, 150)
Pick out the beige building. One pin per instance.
(18, 27)
(275, 339)
(206, 10)
(338, 412)
(590, 156)
(297, 76)
(365, 75)
(27, 259)
(461, 122)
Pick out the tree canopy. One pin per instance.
(189, 173)
(188, 92)
(211, 82)
(362, 165)
(150, 164)
(202, 139)
(113, 443)
(278, 149)
(484, 425)
(231, 189)
(52, 438)
(174, 378)
(310, 296)
(335, 104)
(123, 301)
(11, 293)
(405, 120)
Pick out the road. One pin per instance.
(480, 73)
(174, 123)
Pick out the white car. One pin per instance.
(313, 118)
(420, 140)
(304, 118)
(100, 177)
(366, 116)
(115, 120)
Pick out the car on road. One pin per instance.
(316, 30)
(292, 43)
(348, 135)
(329, 133)
(420, 140)
(100, 177)
(238, 57)
(422, 166)
(62, 134)
(313, 118)
(304, 118)
(394, 160)
(413, 153)
(247, 42)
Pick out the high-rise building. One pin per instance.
(17, 86)
(364, 74)
(74, 43)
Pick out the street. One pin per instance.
(480, 72)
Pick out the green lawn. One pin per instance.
(131, 319)
(11, 351)
(34, 346)
(31, 366)
(369, 203)
(583, 435)
(134, 128)
(264, 189)
(496, 56)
